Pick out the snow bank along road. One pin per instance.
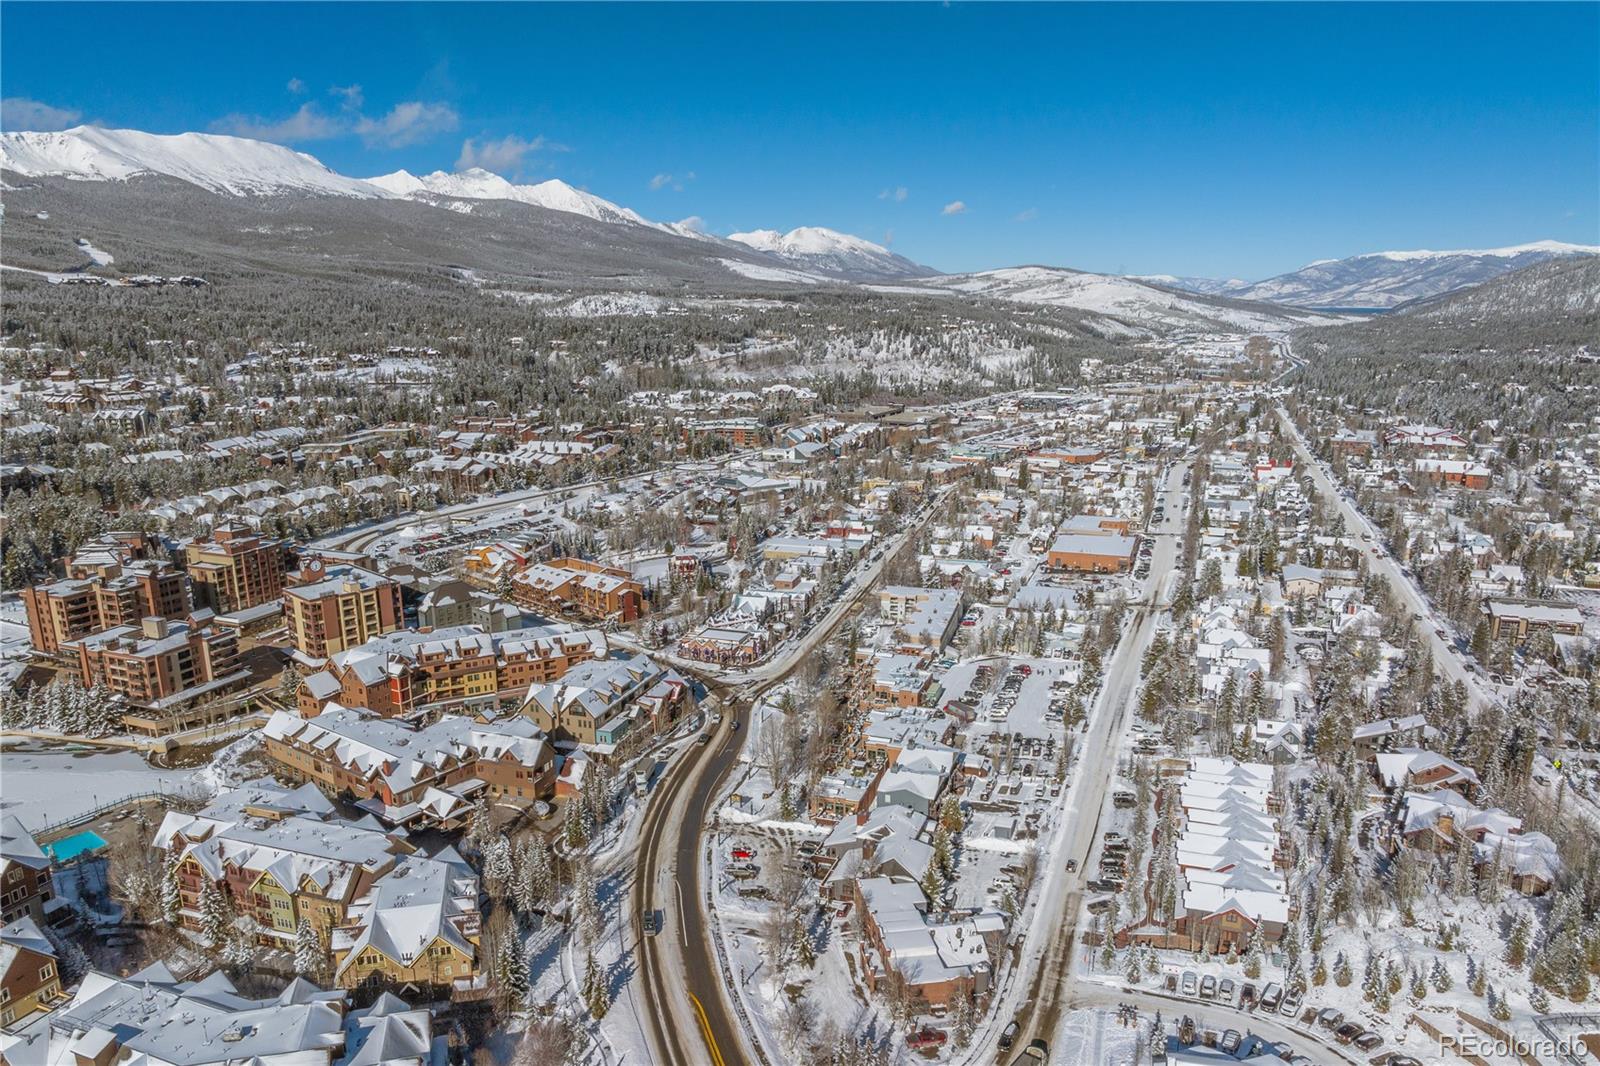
(690, 1017)
(1034, 993)
(1446, 658)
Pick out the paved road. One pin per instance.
(1033, 994)
(689, 1016)
(1214, 1016)
(1446, 659)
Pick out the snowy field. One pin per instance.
(42, 787)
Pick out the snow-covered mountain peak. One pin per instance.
(1551, 248)
(479, 184)
(236, 166)
(828, 251)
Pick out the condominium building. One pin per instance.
(160, 663)
(338, 608)
(414, 775)
(598, 703)
(153, 1017)
(30, 978)
(405, 672)
(104, 587)
(25, 885)
(236, 568)
(279, 856)
(593, 592)
(418, 926)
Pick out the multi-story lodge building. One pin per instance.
(236, 568)
(414, 776)
(114, 581)
(338, 608)
(418, 926)
(405, 672)
(25, 885)
(160, 665)
(279, 856)
(588, 590)
(598, 703)
(30, 978)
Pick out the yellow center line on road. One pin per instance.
(705, 1030)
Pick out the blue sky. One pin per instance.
(1203, 140)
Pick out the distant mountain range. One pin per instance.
(1383, 280)
(238, 166)
(552, 230)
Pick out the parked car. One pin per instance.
(1190, 982)
(1330, 1018)
(1230, 1042)
(1347, 1032)
(1271, 997)
(652, 923)
(1208, 987)
(1008, 1036)
(1368, 1041)
(926, 1038)
(1225, 990)
(1291, 1004)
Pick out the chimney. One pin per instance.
(154, 628)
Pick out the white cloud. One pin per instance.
(1027, 215)
(306, 124)
(898, 194)
(694, 223)
(296, 86)
(505, 154)
(675, 182)
(353, 97)
(954, 207)
(18, 113)
(408, 123)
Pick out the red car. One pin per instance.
(743, 854)
(925, 1039)
(1026, 670)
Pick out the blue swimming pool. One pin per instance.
(68, 848)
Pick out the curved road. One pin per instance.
(690, 1017)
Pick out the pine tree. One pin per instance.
(1442, 981)
(1372, 983)
(171, 898)
(497, 866)
(966, 1022)
(214, 916)
(511, 970)
(933, 885)
(1419, 987)
(1341, 971)
(1252, 955)
(308, 952)
(586, 900)
(1519, 941)
(1539, 1000)
(1319, 971)
(950, 818)
(596, 996)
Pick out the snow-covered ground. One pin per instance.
(46, 786)
(97, 256)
